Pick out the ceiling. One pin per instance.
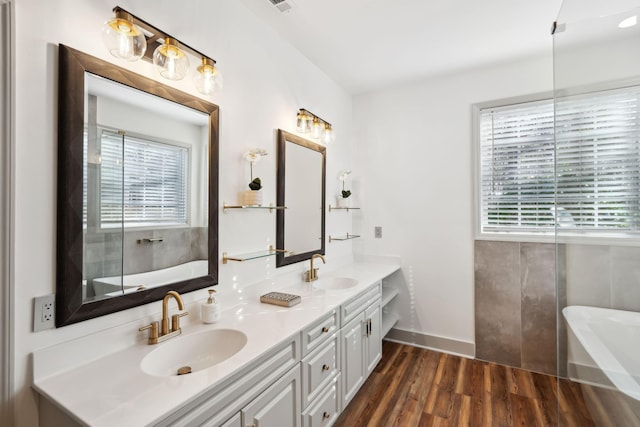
(366, 45)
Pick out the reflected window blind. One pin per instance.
(598, 166)
(597, 163)
(143, 181)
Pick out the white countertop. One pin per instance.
(113, 390)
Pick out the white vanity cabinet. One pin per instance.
(300, 368)
(360, 340)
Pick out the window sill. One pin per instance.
(564, 237)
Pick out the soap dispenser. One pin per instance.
(210, 311)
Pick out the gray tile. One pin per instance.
(625, 287)
(537, 276)
(497, 302)
(561, 293)
(588, 275)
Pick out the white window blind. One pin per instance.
(595, 164)
(517, 172)
(142, 181)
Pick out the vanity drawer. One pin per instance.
(320, 330)
(326, 408)
(352, 308)
(318, 368)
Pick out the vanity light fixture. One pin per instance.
(320, 129)
(129, 37)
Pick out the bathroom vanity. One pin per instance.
(278, 366)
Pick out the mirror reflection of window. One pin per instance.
(141, 182)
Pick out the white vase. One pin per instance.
(251, 198)
(342, 202)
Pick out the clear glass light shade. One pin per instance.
(171, 61)
(303, 123)
(328, 135)
(316, 128)
(207, 77)
(123, 38)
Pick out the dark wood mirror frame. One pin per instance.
(283, 137)
(70, 307)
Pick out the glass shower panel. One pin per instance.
(103, 227)
(596, 57)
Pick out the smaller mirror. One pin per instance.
(300, 228)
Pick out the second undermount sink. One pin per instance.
(197, 351)
(335, 283)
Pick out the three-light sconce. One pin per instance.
(308, 122)
(129, 37)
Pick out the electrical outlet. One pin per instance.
(378, 232)
(44, 312)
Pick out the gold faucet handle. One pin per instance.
(153, 332)
(175, 320)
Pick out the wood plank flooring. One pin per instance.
(417, 387)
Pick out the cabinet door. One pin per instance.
(277, 406)
(373, 342)
(353, 371)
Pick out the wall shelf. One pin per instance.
(388, 321)
(342, 238)
(335, 208)
(271, 207)
(388, 293)
(252, 255)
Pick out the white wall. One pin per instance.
(414, 177)
(266, 81)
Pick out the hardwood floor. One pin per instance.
(417, 387)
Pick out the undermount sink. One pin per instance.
(335, 283)
(197, 351)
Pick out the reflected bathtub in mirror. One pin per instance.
(137, 162)
(300, 228)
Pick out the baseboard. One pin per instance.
(432, 342)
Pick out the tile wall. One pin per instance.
(515, 296)
(515, 304)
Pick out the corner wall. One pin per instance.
(413, 175)
(266, 81)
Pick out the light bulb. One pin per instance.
(303, 122)
(329, 135)
(316, 128)
(171, 61)
(123, 38)
(207, 77)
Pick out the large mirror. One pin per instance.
(137, 189)
(301, 188)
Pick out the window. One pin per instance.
(595, 164)
(140, 180)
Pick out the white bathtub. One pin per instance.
(130, 282)
(612, 340)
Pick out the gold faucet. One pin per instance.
(165, 333)
(312, 274)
